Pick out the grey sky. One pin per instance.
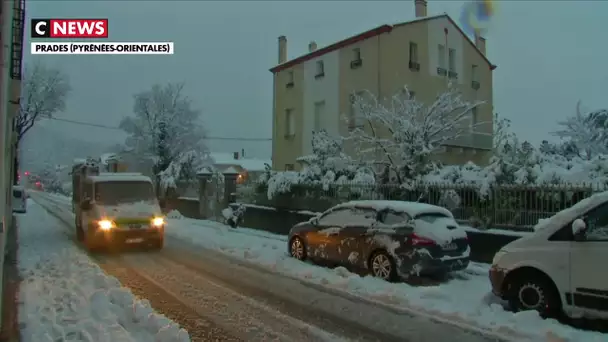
(549, 55)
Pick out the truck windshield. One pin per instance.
(112, 193)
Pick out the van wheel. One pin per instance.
(534, 292)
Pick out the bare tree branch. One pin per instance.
(45, 92)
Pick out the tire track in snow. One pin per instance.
(340, 315)
(239, 313)
(199, 328)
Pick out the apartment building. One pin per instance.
(314, 91)
(12, 17)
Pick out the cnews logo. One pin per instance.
(69, 28)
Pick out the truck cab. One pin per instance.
(118, 209)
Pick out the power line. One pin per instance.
(82, 123)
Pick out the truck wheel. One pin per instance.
(91, 244)
(79, 232)
(158, 244)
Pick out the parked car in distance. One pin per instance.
(390, 239)
(560, 267)
(19, 199)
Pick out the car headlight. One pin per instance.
(106, 224)
(498, 256)
(158, 221)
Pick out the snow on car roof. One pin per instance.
(120, 177)
(411, 208)
(569, 214)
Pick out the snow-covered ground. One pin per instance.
(466, 298)
(64, 296)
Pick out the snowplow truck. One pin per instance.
(115, 208)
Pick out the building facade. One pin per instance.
(12, 17)
(314, 91)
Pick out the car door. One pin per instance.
(352, 244)
(323, 241)
(588, 255)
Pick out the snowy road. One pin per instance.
(217, 298)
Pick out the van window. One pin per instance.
(17, 193)
(597, 224)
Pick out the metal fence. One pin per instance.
(517, 207)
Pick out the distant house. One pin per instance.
(248, 168)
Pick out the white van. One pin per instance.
(19, 199)
(563, 266)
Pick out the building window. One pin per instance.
(475, 77)
(357, 110)
(452, 59)
(413, 52)
(289, 79)
(357, 61)
(290, 123)
(319, 114)
(413, 64)
(289, 167)
(320, 69)
(441, 56)
(474, 119)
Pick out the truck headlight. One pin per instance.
(158, 221)
(106, 224)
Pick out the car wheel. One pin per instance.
(382, 266)
(297, 248)
(534, 293)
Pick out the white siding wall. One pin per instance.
(323, 89)
(454, 41)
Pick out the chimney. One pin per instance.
(236, 155)
(480, 42)
(420, 8)
(282, 49)
(312, 47)
(242, 153)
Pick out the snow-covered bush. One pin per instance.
(585, 132)
(328, 168)
(183, 168)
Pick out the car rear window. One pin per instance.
(392, 218)
(431, 217)
(17, 193)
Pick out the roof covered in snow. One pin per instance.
(120, 177)
(413, 209)
(565, 216)
(249, 164)
(107, 157)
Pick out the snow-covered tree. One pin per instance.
(502, 133)
(44, 93)
(165, 128)
(586, 131)
(328, 153)
(404, 133)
